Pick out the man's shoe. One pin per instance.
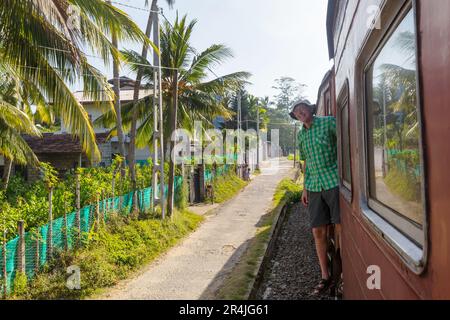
(323, 286)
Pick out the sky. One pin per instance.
(269, 38)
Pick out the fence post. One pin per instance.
(97, 213)
(192, 184)
(107, 202)
(50, 225)
(113, 184)
(111, 202)
(36, 255)
(4, 273)
(66, 235)
(135, 204)
(103, 206)
(78, 202)
(120, 192)
(21, 249)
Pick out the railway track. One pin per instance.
(290, 269)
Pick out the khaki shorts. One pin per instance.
(323, 207)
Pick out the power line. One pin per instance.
(190, 47)
(141, 64)
(98, 57)
(127, 63)
(133, 7)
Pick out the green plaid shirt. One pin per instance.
(318, 148)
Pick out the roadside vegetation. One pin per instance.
(42, 58)
(29, 201)
(112, 254)
(226, 186)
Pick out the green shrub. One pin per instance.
(20, 283)
(110, 255)
(288, 190)
(181, 197)
(226, 186)
(404, 185)
(29, 201)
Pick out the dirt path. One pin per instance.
(197, 266)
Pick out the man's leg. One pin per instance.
(319, 214)
(320, 238)
(331, 198)
(337, 236)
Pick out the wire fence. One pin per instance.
(28, 252)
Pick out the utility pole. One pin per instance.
(173, 126)
(239, 106)
(117, 103)
(295, 144)
(158, 145)
(137, 88)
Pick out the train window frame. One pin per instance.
(342, 101)
(385, 221)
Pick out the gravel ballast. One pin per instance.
(294, 269)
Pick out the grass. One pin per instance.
(112, 254)
(403, 185)
(290, 157)
(226, 187)
(239, 283)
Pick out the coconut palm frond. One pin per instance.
(13, 146)
(205, 61)
(42, 48)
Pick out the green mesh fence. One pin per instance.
(71, 230)
(208, 175)
(31, 248)
(65, 230)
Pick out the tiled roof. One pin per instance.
(59, 143)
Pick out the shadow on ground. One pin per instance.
(291, 274)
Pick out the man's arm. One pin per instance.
(302, 156)
(305, 199)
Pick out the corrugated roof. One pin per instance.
(125, 96)
(59, 143)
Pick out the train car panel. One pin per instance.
(434, 26)
(402, 233)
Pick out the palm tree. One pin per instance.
(13, 123)
(198, 97)
(185, 80)
(398, 85)
(40, 46)
(249, 110)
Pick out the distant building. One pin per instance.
(63, 151)
(110, 147)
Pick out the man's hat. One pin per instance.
(298, 103)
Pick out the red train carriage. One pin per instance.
(326, 99)
(392, 82)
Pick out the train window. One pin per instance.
(393, 132)
(344, 126)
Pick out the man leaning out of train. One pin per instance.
(318, 149)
